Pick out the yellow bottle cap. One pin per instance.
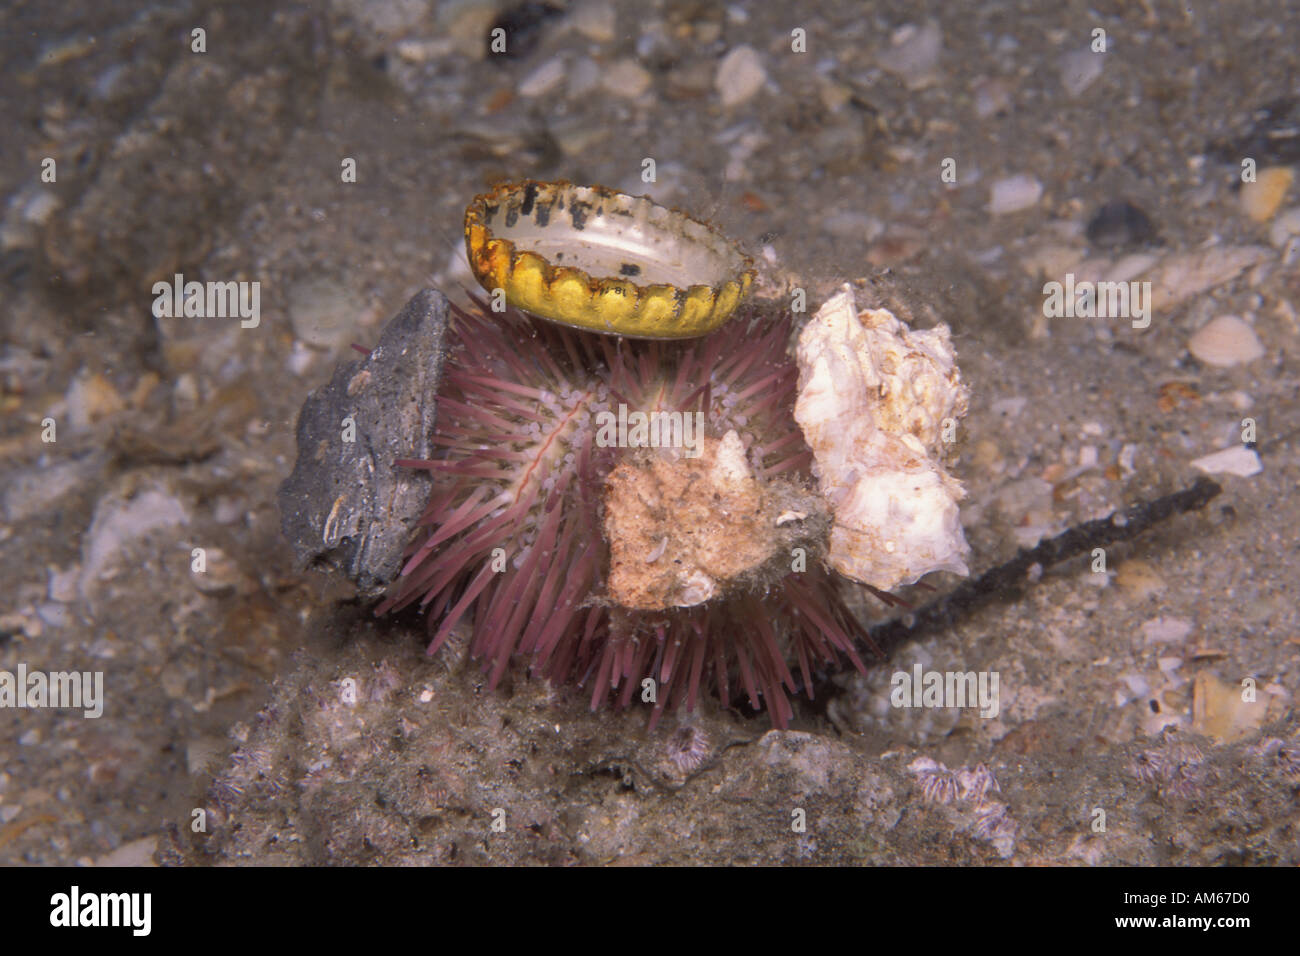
(601, 260)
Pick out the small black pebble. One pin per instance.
(522, 24)
(1120, 223)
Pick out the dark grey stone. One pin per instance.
(347, 506)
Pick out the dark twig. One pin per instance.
(1121, 526)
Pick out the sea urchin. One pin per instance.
(579, 522)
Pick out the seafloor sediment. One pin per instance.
(1120, 689)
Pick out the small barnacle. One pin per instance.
(1146, 766)
(1280, 755)
(1181, 753)
(255, 763)
(251, 769)
(974, 784)
(939, 788)
(1185, 784)
(1288, 759)
(1177, 769)
(995, 825)
(938, 783)
(226, 791)
(941, 785)
(686, 748)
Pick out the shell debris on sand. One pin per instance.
(913, 55)
(873, 399)
(1225, 341)
(1225, 711)
(1079, 69)
(1261, 199)
(1236, 460)
(1014, 194)
(626, 78)
(740, 76)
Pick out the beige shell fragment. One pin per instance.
(873, 398)
(1223, 711)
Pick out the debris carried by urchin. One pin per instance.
(345, 505)
(681, 529)
(874, 400)
(530, 494)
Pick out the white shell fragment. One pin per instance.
(1226, 341)
(914, 54)
(740, 75)
(873, 397)
(1237, 460)
(1014, 194)
(729, 465)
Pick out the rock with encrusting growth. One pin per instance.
(371, 753)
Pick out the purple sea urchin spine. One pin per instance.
(513, 539)
(510, 414)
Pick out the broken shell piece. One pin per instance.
(1235, 460)
(1222, 711)
(658, 552)
(730, 467)
(697, 588)
(873, 399)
